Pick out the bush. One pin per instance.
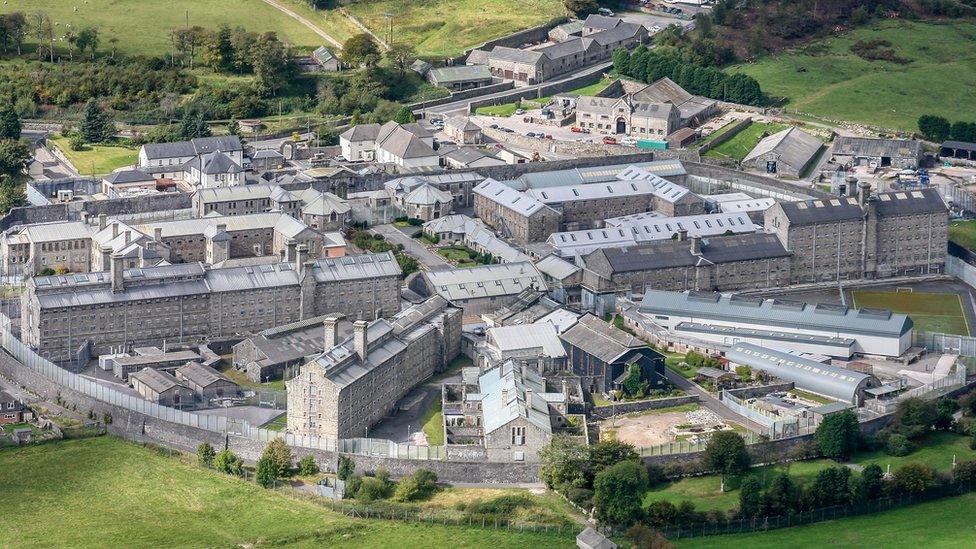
(837, 435)
(373, 488)
(643, 537)
(661, 513)
(205, 454)
(353, 483)
(913, 478)
(898, 445)
(419, 486)
(279, 455)
(266, 473)
(965, 471)
(227, 462)
(618, 491)
(504, 505)
(345, 468)
(307, 466)
(77, 142)
(582, 497)
(414, 222)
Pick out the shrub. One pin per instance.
(279, 455)
(307, 466)
(871, 482)
(643, 537)
(617, 493)
(965, 471)
(750, 497)
(898, 445)
(77, 142)
(345, 468)
(353, 482)
(661, 513)
(913, 478)
(581, 496)
(419, 486)
(227, 462)
(266, 473)
(205, 454)
(372, 488)
(504, 505)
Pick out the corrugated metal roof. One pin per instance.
(527, 336)
(486, 281)
(506, 396)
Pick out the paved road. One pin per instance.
(711, 402)
(428, 259)
(305, 22)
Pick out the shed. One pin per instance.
(958, 149)
(591, 539)
(787, 152)
(207, 382)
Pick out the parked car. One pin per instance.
(529, 134)
(519, 111)
(608, 140)
(605, 12)
(494, 126)
(576, 129)
(548, 136)
(507, 130)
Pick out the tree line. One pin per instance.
(650, 66)
(938, 129)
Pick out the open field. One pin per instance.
(944, 523)
(439, 28)
(931, 312)
(508, 109)
(936, 449)
(143, 27)
(827, 79)
(739, 145)
(963, 233)
(117, 494)
(96, 159)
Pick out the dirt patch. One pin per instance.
(646, 430)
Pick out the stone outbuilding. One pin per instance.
(207, 383)
(788, 153)
(463, 130)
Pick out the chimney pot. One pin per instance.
(115, 229)
(158, 234)
(696, 244)
(331, 331)
(682, 235)
(360, 338)
(301, 258)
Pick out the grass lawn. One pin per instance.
(591, 89)
(457, 254)
(438, 28)
(117, 494)
(97, 159)
(719, 132)
(546, 507)
(277, 424)
(812, 397)
(241, 379)
(931, 312)
(433, 422)
(828, 80)
(454, 368)
(143, 27)
(503, 110)
(944, 523)
(963, 233)
(739, 145)
(704, 491)
(935, 449)
(674, 360)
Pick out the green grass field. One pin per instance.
(945, 523)
(936, 449)
(827, 80)
(930, 312)
(104, 492)
(433, 422)
(508, 109)
(143, 27)
(963, 233)
(96, 159)
(741, 143)
(438, 28)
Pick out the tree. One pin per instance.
(218, 50)
(96, 126)
(726, 453)
(346, 468)
(618, 492)
(401, 56)
(913, 417)
(11, 194)
(9, 122)
(271, 63)
(227, 462)
(781, 496)
(416, 487)
(837, 435)
(372, 489)
(581, 8)
(43, 29)
(634, 384)
(621, 61)
(750, 497)
(360, 50)
(832, 486)
(869, 485)
(205, 454)
(14, 29)
(307, 466)
(88, 40)
(934, 128)
(643, 537)
(404, 115)
(607, 453)
(192, 125)
(565, 463)
(913, 478)
(279, 455)
(945, 410)
(14, 156)
(266, 472)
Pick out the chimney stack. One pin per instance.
(290, 251)
(331, 331)
(360, 339)
(696, 245)
(301, 256)
(565, 389)
(118, 285)
(158, 234)
(863, 193)
(128, 236)
(682, 235)
(115, 229)
(101, 221)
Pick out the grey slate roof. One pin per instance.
(661, 254)
(824, 210)
(910, 202)
(459, 73)
(793, 146)
(201, 375)
(511, 391)
(602, 22)
(596, 174)
(515, 55)
(156, 380)
(485, 281)
(218, 163)
(361, 132)
(869, 147)
(128, 175)
(600, 339)
(775, 313)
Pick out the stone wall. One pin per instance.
(752, 392)
(604, 412)
(111, 208)
(735, 129)
(584, 78)
(758, 184)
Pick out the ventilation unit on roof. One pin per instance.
(881, 314)
(709, 297)
(836, 310)
(746, 301)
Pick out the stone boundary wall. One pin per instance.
(604, 412)
(139, 427)
(738, 127)
(112, 207)
(535, 34)
(751, 392)
(735, 178)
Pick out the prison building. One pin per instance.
(514, 214)
(206, 383)
(897, 153)
(601, 355)
(482, 289)
(815, 377)
(535, 345)
(342, 392)
(831, 330)
(266, 355)
(160, 387)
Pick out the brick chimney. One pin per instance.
(118, 285)
(863, 193)
(290, 251)
(115, 229)
(330, 331)
(360, 338)
(682, 235)
(101, 221)
(696, 245)
(127, 237)
(301, 257)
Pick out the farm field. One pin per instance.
(440, 28)
(935, 74)
(96, 159)
(143, 27)
(931, 312)
(117, 494)
(741, 143)
(945, 523)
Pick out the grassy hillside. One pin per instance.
(143, 26)
(448, 27)
(942, 523)
(104, 492)
(827, 79)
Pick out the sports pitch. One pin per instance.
(931, 312)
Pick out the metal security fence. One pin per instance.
(218, 424)
(776, 426)
(945, 343)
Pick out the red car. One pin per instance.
(609, 140)
(576, 129)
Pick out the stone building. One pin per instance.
(59, 245)
(482, 289)
(514, 214)
(897, 153)
(535, 345)
(322, 211)
(789, 152)
(206, 383)
(602, 355)
(722, 263)
(624, 115)
(359, 380)
(266, 355)
(899, 233)
(190, 303)
(162, 388)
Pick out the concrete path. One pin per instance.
(303, 20)
(428, 259)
